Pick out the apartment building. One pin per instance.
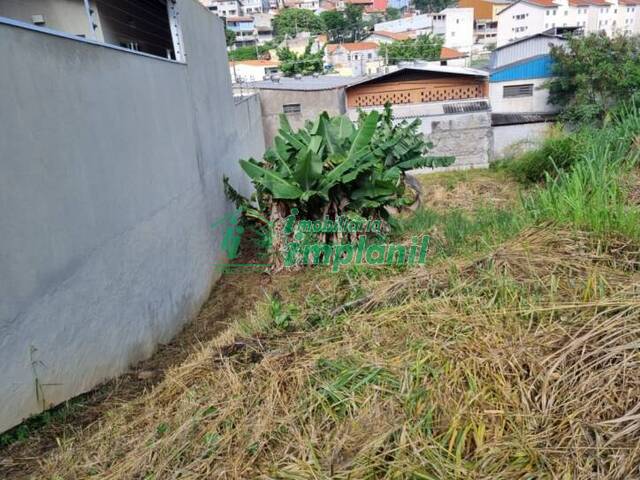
(529, 17)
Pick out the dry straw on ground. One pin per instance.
(521, 364)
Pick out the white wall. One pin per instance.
(512, 140)
(458, 29)
(511, 26)
(537, 103)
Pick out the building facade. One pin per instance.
(451, 104)
(354, 59)
(529, 17)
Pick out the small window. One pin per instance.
(525, 90)
(291, 108)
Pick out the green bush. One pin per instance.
(557, 153)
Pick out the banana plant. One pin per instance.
(335, 167)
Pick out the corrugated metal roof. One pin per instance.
(466, 107)
(309, 84)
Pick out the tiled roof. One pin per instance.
(359, 2)
(393, 35)
(353, 47)
(449, 54)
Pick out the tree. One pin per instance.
(594, 74)
(429, 6)
(424, 47)
(334, 22)
(393, 13)
(305, 64)
(230, 36)
(250, 53)
(355, 24)
(291, 21)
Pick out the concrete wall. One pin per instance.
(512, 140)
(67, 16)
(538, 102)
(466, 136)
(311, 103)
(111, 169)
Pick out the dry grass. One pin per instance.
(521, 364)
(468, 189)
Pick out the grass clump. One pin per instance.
(557, 153)
(592, 195)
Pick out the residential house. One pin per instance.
(251, 7)
(264, 27)
(518, 90)
(312, 5)
(253, 70)
(245, 30)
(455, 27)
(353, 59)
(450, 102)
(224, 8)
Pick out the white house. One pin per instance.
(455, 26)
(224, 8)
(354, 59)
(252, 70)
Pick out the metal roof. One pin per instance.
(308, 83)
(330, 82)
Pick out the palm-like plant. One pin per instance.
(333, 168)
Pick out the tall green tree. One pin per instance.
(355, 24)
(305, 64)
(593, 74)
(334, 22)
(424, 47)
(291, 21)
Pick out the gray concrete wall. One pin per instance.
(312, 104)
(111, 169)
(512, 140)
(465, 136)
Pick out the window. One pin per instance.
(369, 55)
(525, 90)
(291, 108)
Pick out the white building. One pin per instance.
(224, 8)
(453, 25)
(252, 70)
(354, 59)
(312, 5)
(529, 17)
